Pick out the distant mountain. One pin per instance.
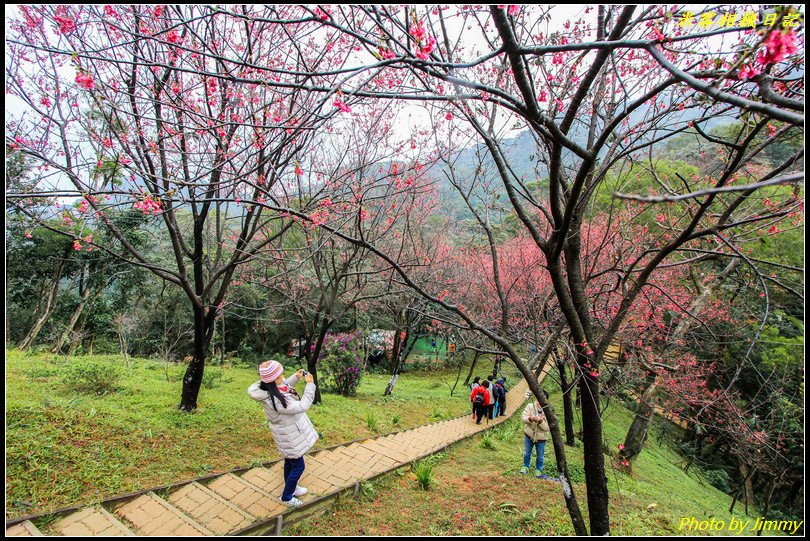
(522, 157)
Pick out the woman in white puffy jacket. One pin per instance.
(291, 428)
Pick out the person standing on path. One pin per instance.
(291, 428)
(489, 383)
(500, 393)
(535, 434)
(480, 398)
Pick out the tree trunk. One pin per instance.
(398, 361)
(122, 342)
(50, 305)
(771, 488)
(458, 375)
(395, 348)
(312, 356)
(192, 379)
(637, 434)
(472, 368)
(594, 458)
(74, 345)
(745, 486)
(568, 406)
(748, 486)
(76, 313)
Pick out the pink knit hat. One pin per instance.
(270, 371)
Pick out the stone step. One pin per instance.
(23, 529)
(152, 515)
(90, 522)
(269, 480)
(209, 509)
(246, 496)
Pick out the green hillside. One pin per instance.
(65, 447)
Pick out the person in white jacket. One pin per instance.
(291, 428)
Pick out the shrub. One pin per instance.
(367, 490)
(342, 363)
(212, 377)
(43, 371)
(575, 471)
(507, 431)
(436, 415)
(487, 441)
(424, 473)
(718, 479)
(371, 421)
(91, 378)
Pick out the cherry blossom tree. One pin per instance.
(596, 94)
(170, 112)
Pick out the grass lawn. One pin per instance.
(477, 490)
(64, 448)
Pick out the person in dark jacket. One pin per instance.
(481, 399)
(500, 395)
(491, 407)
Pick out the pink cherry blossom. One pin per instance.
(148, 205)
(386, 54)
(778, 46)
(342, 106)
(66, 24)
(85, 81)
(418, 31)
(749, 71)
(423, 53)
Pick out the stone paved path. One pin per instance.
(231, 503)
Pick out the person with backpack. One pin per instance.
(291, 428)
(491, 386)
(500, 398)
(535, 434)
(480, 399)
(476, 382)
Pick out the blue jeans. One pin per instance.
(293, 470)
(528, 445)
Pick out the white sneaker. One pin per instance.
(300, 491)
(293, 502)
